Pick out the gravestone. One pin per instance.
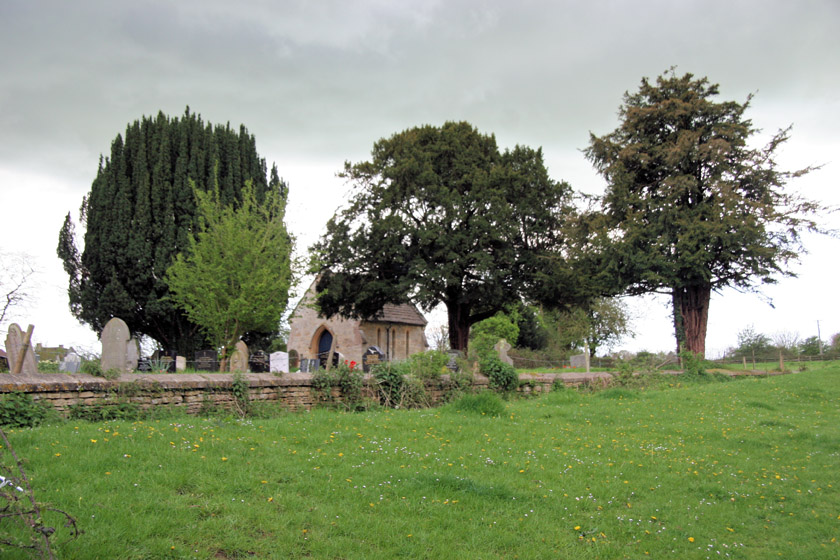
(180, 363)
(372, 356)
(205, 360)
(294, 359)
(279, 362)
(114, 337)
(304, 365)
(578, 360)
(259, 362)
(132, 354)
(14, 346)
(452, 364)
(239, 358)
(502, 348)
(70, 364)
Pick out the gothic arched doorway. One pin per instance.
(324, 345)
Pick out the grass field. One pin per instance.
(742, 469)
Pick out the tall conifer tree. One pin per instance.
(138, 216)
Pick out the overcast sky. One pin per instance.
(317, 82)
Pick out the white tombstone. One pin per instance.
(70, 364)
(279, 362)
(180, 363)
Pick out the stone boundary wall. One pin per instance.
(293, 391)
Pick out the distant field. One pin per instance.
(742, 469)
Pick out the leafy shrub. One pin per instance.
(502, 376)
(110, 410)
(497, 327)
(20, 410)
(428, 365)
(484, 403)
(91, 367)
(48, 366)
(241, 393)
(390, 378)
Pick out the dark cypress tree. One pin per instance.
(138, 216)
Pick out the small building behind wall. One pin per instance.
(398, 330)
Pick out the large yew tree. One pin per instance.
(691, 206)
(139, 215)
(439, 214)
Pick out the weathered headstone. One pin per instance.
(502, 348)
(259, 362)
(279, 362)
(70, 364)
(304, 365)
(114, 337)
(180, 363)
(578, 360)
(294, 359)
(452, 364)
(372, 356)
(132, 354)
(16, 344)
(205, 360)
(239, 358)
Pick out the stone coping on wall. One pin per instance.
(45, 382)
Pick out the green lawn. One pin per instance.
(742, 469)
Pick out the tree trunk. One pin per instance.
(691, 317)
(459, 326)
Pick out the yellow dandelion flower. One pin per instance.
(690, 539)
(224, 458)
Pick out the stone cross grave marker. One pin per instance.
(17, 343)
(239, 358)
(502, 348)
(70, 364)
(279, 362)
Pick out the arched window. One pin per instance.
(406, 342)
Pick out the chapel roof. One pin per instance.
(405, 313)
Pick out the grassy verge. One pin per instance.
(745, 469)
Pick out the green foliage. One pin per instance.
(112, 373)
(428, 365)
(47, 366)
(91, 367)
(692, 364)
(690, 207)
(485, 403)
(752, 343)
(20, 410)
(498, 326)
(113, 409)
(502, 376)
(237, 274)
(139, 213)
(350, 382)
(440, 215)
(533, 332)
(811, 346)
(241, 393)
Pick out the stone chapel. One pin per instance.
(398, 331)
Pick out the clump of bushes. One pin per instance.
(502, 376)
(20, 410)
